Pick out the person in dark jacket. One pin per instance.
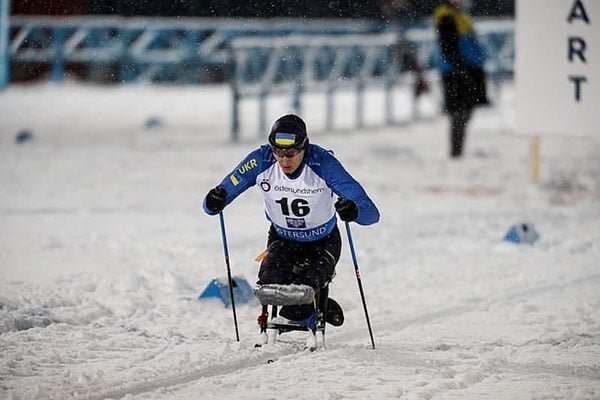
(460, 62)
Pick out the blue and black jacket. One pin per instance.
(320, 161)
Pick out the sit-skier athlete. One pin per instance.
(300, 182)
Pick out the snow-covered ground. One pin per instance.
(104, 248)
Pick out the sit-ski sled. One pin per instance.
(274, 295)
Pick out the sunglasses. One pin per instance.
(288, 153)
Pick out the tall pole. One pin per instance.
(229, 280)
(359, 281)
(4, 32)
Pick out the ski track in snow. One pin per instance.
(263, 356)
(105, 248)
(344, 346)
(400, 359)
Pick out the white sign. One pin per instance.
(557, 67)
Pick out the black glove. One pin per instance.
(346, 209)
(215, 200)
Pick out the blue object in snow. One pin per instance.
(522, 233)
(23, 136)
(153, 123)
(219, 288)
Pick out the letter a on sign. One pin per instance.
(578, 12)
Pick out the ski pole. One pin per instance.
(358, 280)
(229, 280)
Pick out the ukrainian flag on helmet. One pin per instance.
(288, 131)
(285, 139)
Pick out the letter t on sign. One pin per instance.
(577, 80)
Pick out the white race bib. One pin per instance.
(301, 208)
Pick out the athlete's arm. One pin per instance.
(345, 186)
(242, 177)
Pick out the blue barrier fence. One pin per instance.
(257, 57)
(299, 64)
(160, 50)
(188, 50)
(295, 65)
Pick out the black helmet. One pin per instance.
(288, 132)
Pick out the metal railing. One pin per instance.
(296, 65)
(299, 64)
(173, 50)
(258, 57)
